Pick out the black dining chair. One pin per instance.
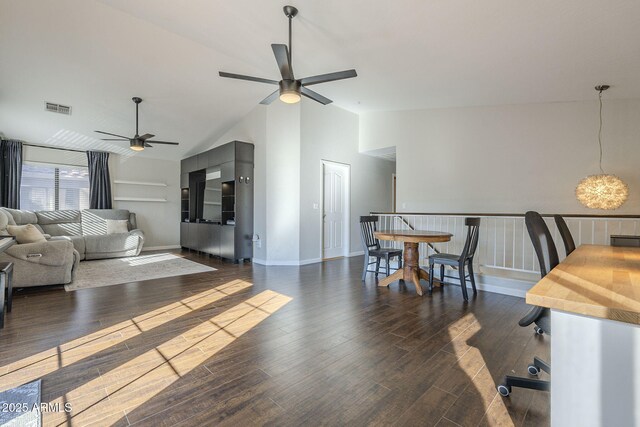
(372, 248)
(567, 239)
(459, 261)
(547, 258)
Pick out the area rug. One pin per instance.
(107, 272)
(21, 406)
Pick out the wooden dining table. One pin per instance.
(411, 271)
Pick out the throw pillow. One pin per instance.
(115, 226)
(26, 233)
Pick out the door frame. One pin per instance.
(346, 238)
(394, 180)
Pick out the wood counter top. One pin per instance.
(596, 281)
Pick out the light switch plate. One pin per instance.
(316, 206)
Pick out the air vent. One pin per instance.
(57, 108)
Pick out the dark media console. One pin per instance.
(217, 201)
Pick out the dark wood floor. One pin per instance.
(251, 345)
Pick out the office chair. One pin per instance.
(460, 261)
(567, 239)
(548, 259)
(372, 247)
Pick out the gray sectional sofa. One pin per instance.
(72, 236)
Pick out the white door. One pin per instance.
(335, 204)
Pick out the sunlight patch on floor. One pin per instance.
(46, 362)
(134, 382)
(148, 259)
(471, 364)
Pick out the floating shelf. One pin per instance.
(138, 199)
(152, 184)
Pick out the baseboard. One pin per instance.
(159, 248)
(356, 253)
(499, 285)
(502, 285)
(275, 263)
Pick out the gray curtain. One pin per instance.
(99, 180)
(10, 173)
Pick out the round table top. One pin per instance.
(414, 236)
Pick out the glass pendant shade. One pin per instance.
(602, 192)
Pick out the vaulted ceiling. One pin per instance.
(95, 55)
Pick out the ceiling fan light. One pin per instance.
(136, 145)
(290, 91)
(290, 97)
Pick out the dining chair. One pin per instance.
(372, 248)
(547, 255)
(567, 239)
(465, 259)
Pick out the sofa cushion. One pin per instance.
(115, 226)
(106, 246)
(26, 233)
(78, 243)
(19, 217)
(60, 223)
(94, 220)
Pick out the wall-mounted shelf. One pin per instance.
(152, 184)
(138, 199)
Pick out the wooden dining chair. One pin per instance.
(372, 248)
(465, 259)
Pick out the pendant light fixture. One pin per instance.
(602, 191)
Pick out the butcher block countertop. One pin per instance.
(596, 281)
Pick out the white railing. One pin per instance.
(504, 242)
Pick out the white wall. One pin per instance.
(283, 183)
(159, 220)
(508, 158)
(331, 133)
(253, 128)
(290, 143)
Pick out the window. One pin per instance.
(53, 187)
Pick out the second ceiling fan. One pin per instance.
(137, 142)
(290, 89)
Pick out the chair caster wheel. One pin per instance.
(504, 390)
(538, 330)
(533, 370)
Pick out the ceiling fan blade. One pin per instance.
(112, 134)
(146, 144)
(323, 78)
(269, 99)
(146, 136)
(251, 79)
(315, 96)
(281, 52)
(113, 139)
(164, 142)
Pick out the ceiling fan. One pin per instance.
(138, 142)
(290, 87)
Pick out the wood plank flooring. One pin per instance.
(254, 345)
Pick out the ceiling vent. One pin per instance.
(57, 108)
